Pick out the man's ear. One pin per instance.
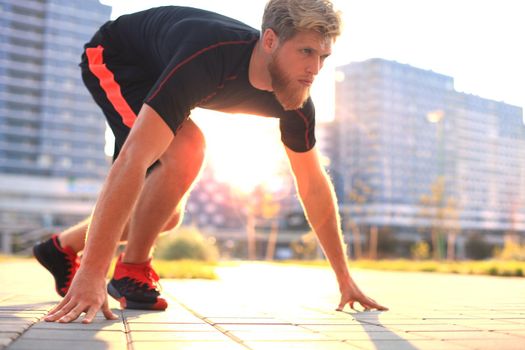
(270, 40)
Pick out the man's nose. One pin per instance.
(315, 66)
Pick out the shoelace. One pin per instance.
(73, 262)
(145, 279)
(152, 276)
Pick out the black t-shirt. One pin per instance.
(199, 58)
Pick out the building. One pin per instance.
(401, 132)
(51, 131)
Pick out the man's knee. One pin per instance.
(187, 151)
(173, 222)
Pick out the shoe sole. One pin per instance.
(160, 305)
(41, 260)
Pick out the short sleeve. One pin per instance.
(298, 128)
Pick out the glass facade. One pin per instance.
(49, 125)
(400, 131)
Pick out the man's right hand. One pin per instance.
(86, 294)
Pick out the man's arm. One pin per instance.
(320, 205)
(147, 141)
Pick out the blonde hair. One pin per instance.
(287, 17)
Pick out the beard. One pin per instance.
(290, 94)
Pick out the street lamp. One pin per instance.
(437, 117)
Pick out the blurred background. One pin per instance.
(420, 125)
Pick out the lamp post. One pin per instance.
(437, 117)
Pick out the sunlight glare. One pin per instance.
(244, 151)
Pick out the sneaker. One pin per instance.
(136, 286)
(62, 262)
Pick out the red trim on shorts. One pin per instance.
(187, 60)
(307, 124)
(109, 85)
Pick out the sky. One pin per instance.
(480, 43)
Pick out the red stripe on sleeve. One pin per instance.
(307, 124)
(109, 85)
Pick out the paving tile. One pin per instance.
(15, 321)
(100, 325)
(261, 327)
(174, 327)
(185, 317)
(4, 342)
(21, 313)
(431, 328)
(467, 335)
(342, 335)
(483, 322)
(290, 345)
(278, 336)
(517, 320)
(497, 327)
(406, 322)
(320, 320)
(80, 335)
(520, 334)
(178, 336)
(7, 337)
(347, 328)
(187, 345)
(245, 320)
(14, 328)
(489, 344)
(32, 344)
(405, 345)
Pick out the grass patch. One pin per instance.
(11, 258)
(185, 269)
(488, 267)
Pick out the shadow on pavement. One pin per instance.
(371, 318)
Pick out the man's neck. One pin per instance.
(258, 69)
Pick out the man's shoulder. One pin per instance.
(199, 23)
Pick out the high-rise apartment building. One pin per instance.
(408, 144)
(51, 131)
(49, 125)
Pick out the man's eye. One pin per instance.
(307, 51)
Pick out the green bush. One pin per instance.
(511, 251)
(420, 250)
(186, 243)
(306, 247)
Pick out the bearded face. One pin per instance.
(290, 93)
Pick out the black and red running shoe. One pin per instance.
(136, 286)
(62, 262)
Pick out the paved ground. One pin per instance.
(257, 306)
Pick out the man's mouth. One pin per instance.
(306, 82)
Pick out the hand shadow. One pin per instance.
(382, 337)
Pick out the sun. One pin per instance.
(244, 151)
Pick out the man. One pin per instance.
(147, 71)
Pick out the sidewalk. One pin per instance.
(259, 306)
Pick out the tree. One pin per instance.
(443, 216)
(359, 195)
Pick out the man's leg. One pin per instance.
(75, 236)
(159, 208)
(161, 204)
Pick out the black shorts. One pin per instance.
(119, 89)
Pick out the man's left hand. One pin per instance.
(350, 294)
